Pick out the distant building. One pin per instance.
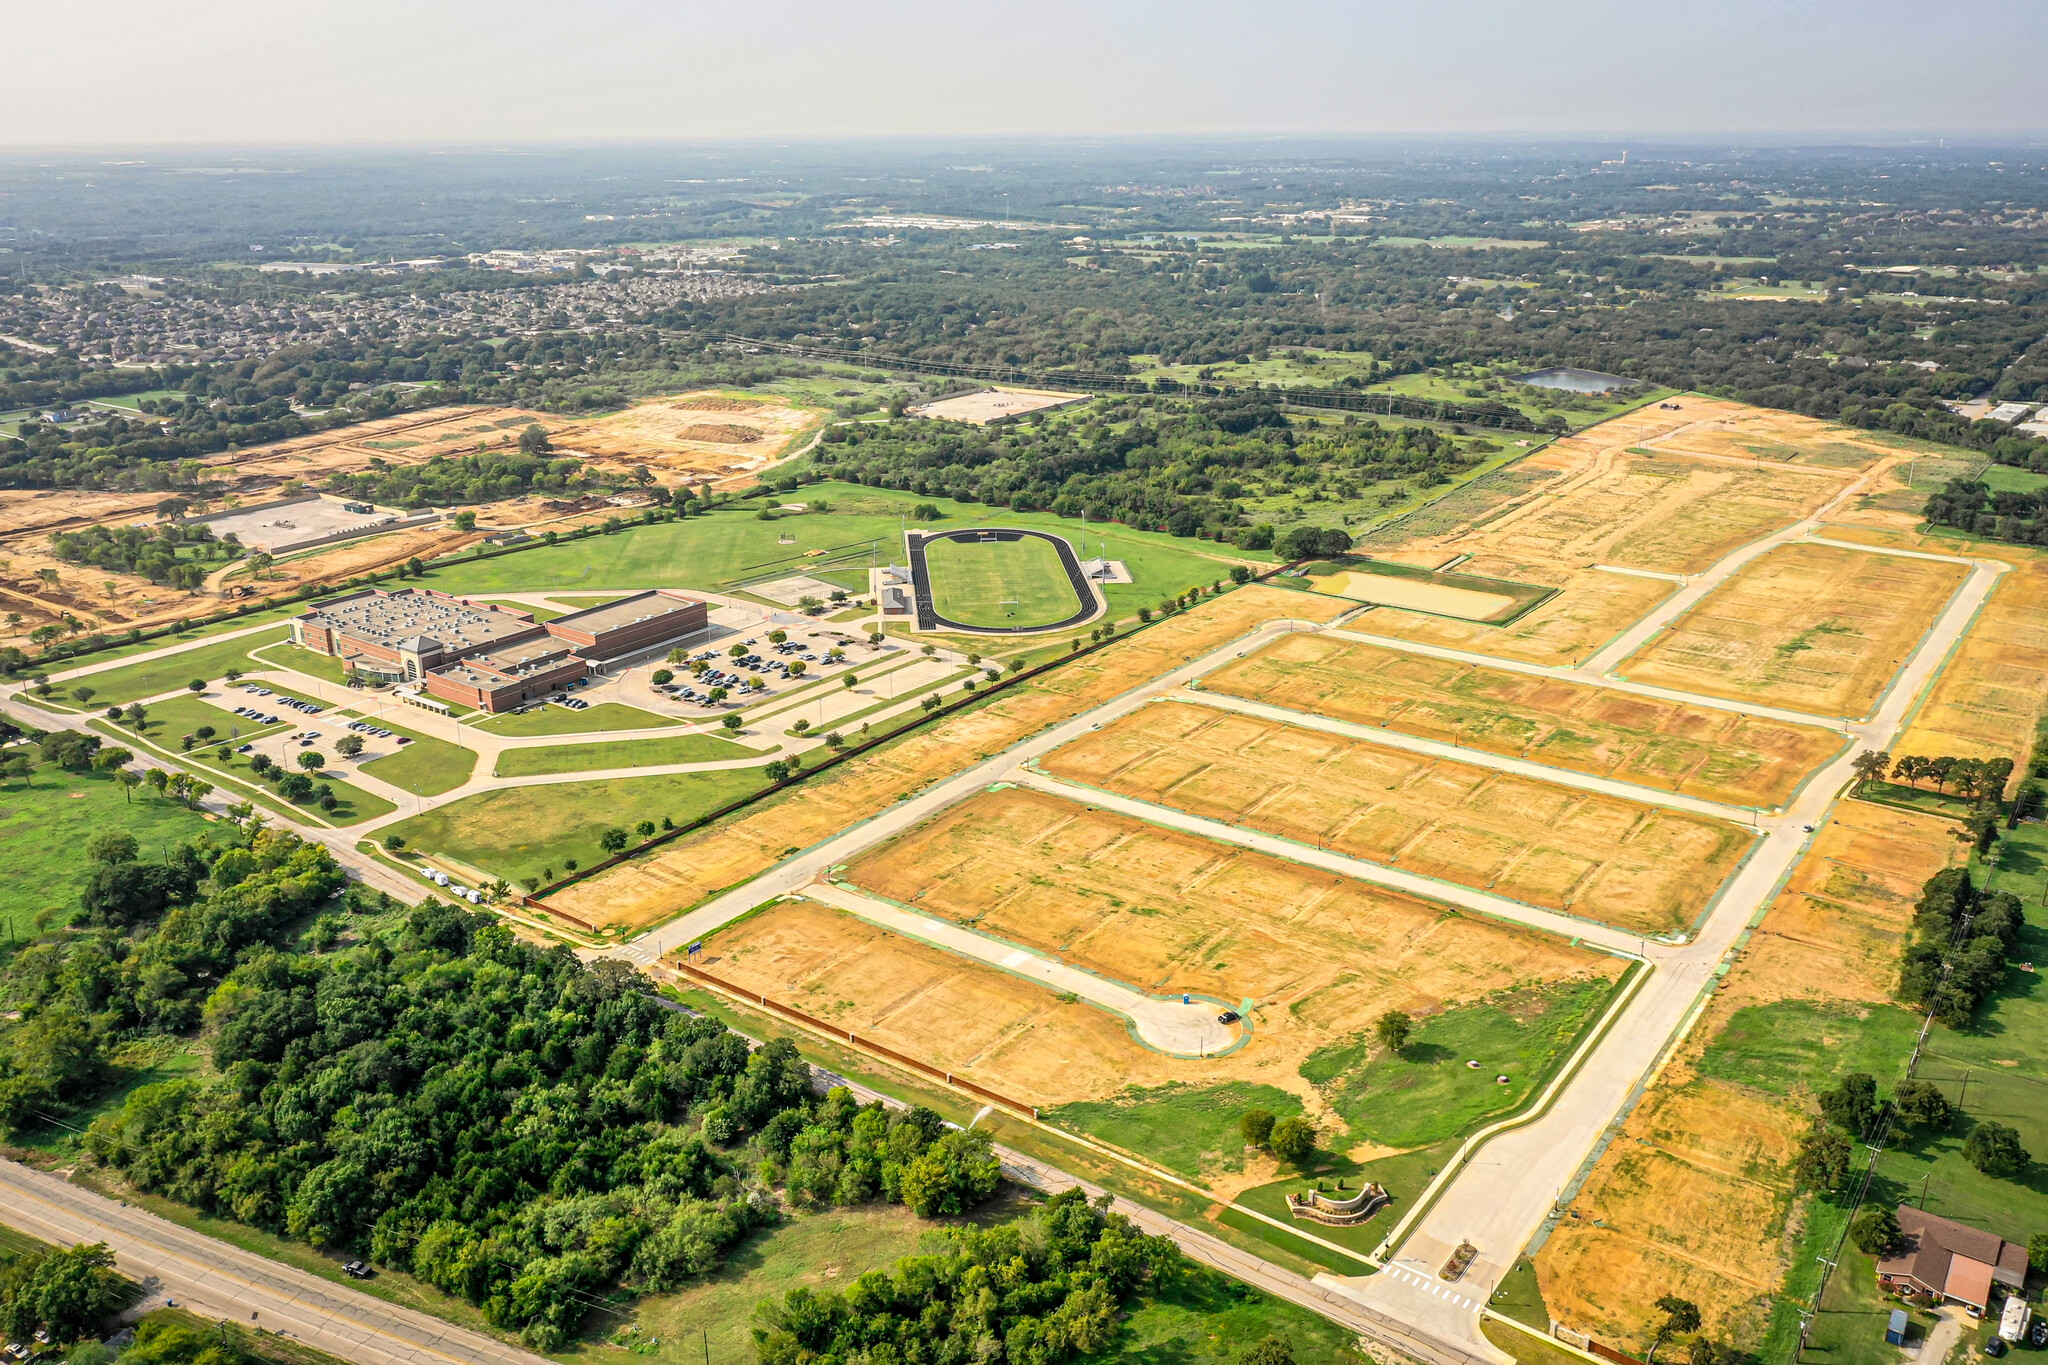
(1952, 1261)
(2009, 413)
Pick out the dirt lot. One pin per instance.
(991, 404)
(1766, 435)
(1321, 956)
(1694, 1198)
(695, 436)
(649, 890)
(1810, 627)
(1710, 754)
(258, 474)
(1619, 862)
(1986, 701)
(1592, 609)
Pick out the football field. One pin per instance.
(999, 583)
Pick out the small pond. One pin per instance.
(1576, 381)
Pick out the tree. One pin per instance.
(612, 840)
(1823, 1158)
(2037, 1252)
(1876, 1231)
(534, 440)
(1393, 1029)
(111, 846)
(733, 723)
(661, 677)
(1256, 1126)
(1240, 573)
(465, 521)
(348, 746)
(312, 762)
(128, 779)
(1680, 1316)
(1922, 1105)
(1994, 1149)
(953, 1175)
(849, 681)
(1267, 1351)
(1852, 1104)
(232, 676)
(64, 1293)
(1293, 1140)
(395, 842)
(196, 686)
(1870, 765)
(645, 829)
(84, 695)
(835, 740)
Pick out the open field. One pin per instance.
(1711, 754)
(1590, 609)
(989, 405)
(1770, 435)
(1696, 1196)
(1423, 587)
(713, 552)
(560, 720)
(1615, 861)
(1985, 702)
(427, 766)
(515, 832)
(998, 583)
(1814, 628)
(310, 662)
(118, 686)
(45, 820)
(1314, 958)
(692, 437)
(649, 890)
(621, 753)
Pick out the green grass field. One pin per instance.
(427, 766)
(172, 719)
(45, 820)
(621, 753)
(560, 720)
(208, 660)
(515, 832)
(999, 583)
(325, 667)
(1783, 1046)
(714, 551)
(1183, 1128)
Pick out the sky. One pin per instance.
(120, 73)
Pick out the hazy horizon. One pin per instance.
(380, 74)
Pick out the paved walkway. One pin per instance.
(218, 1280)
(1184, 1030)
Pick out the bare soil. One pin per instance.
(1615, 861)
(670, 437)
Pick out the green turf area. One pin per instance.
(999, 583)
(713, 552)
(1527, 1349)
(1427, 1093)
(13, 1244)
(325, 667)
(1916, 798)
(170, 720)
(1208, 1319)
(355, 804)
(1789, 1044)
(427, 766)
(45, 820)
(1404, 1176)
(2022, 869)
(515, 832)
(560, 720)
(2003, 478)
(1182, 1128)
(621, 753)
(1849, 1328)
(208, 660)
(1518, 1296)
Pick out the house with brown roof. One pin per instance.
(1951, 1261)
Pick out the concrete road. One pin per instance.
(217, 1280)
(1165, 1023)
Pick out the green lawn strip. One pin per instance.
(1518, 1296)
(267, 1348)
(314, 665)
(1278, 1245)
(45, 820)
(1208, 1319)
(428, 766)
(392, 1286)
(1849, 1328)
(999, 583)
(356, 805)
(126, 648)
(133, 682)
(1916, 799)
(1527, 1349)
(1404, 1176)
(1427, 1093)
(1788, 1044)
(242, 785)
(1182, 1128)
(560, 720)
(622, 753)
(1820, 1223)
(840, 723)
(516, 831)
(13, 1244)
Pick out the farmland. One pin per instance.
(1603, 858)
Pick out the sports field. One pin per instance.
(649, 890)
(1672, 746)
(997, 583)
(1619, 862)
(1813, 628)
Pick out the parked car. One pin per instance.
(356, 1270)
(1228, 1017)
